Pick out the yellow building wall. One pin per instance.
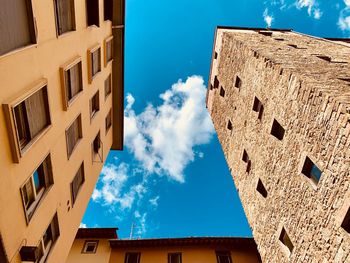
(18, 70)
(189, 255)
(101, 256)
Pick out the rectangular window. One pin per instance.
(222, 92)
(311, 171)
(108, 121)
(245, 157)
(77, 182)
(216, 82)
(73, 135)
(92, 13)
(261, 189)
(28, 119)
(325, 58)
(16, 25)
(258, 107)
(238, 82)
(49, 238)
(132, 257)
(90, 247)
(346, 222)
(108, 48)
(174, 258)
(94, 104)
(34, 188)
(265, 33)
(96, 144)
(65, 16)
(108, 86)
(277, 130)
(108, 10)
(284, 238)
(94, 62)
(71, 81)
(223, 257)
(215, 55)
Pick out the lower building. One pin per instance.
(101, 245)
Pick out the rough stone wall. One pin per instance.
(307, 96)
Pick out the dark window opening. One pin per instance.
(238, 82)
(77, 182)
(311, 171)
(345, 79)
(96, 144)
(215, 55)
(293, 45)
(73, 135)
(3, 257)
(73, 82)
(65, 16)
(229, 125)
(325, 58)
(109, 50)
(92, 12)
(94, 104)
(258, 107)
(108, 10)
(277, 130)
(245, 157)
(174, 258)
(16, 26)
(222, 92)
(249, 166)
(108, 86)
(90, 247)
(261, 189)
(284, 238)
(108, 121)
(132, 257)
(266, 33)
(223, 257)
(216, 82)
(279, 39)
(281, 71)
(346, 222)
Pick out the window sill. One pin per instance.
(17, 50)
(74, 148)
(65, 34)
(33, 141)
(37, 204)
(72, 100)
(93, 115)
(94, 76)
(309, 181)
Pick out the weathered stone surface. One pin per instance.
(309, 97)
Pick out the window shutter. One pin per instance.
(96, 62)
(73, 135)
(75, 79)
(67, 84)
(37, 112)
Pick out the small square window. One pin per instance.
(216, 82)
(284, 238)
(238, 82)
(346, 222)
(216, 55)
(229, 125)
(277, 130)
(258, 107)
(90, 247)
(108, 121)
(108, 86)
(265, 33)
(97, 152)
(92, 13)
(293, 45)
(279, 39)
(245, 157)
(174, 258)
(73, 135)
(311, 171)
(261, 189)
(222, 92)
(132, 257)
(65, 16)
(325, 58)
(223, 257)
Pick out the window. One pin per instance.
(229, 125)
(73, 135)
(311, 171)
(346, 222)
(215, 55)
(238, 82)
(94, 62)
(261, 189)
(216, 82)
(325, 58)
(65, 16)
(223, 257)
(90, 247)
(72, 81)
(108, 120)
(108, 10)
(77, 182)
(284, 238)
(174, 258)
(92, 13)
(96, 147)
(222, 92)
(16, 25)
(108, 86)
(34, 188)
(293, 45)
(245, 157)
(108, 48)
(258, 107)
(277, 130)
(132, 257)
(94, 104)
(279, 39)
(28, 119)
(266, 33)
(49, 238)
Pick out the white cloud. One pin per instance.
(344, 17)
(82, 225)
(312, 7)
(162, 138)
(347, 3)
(268, 18)
(154, 201)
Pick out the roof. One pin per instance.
(103, 233)
(187, 241)
(255, 28)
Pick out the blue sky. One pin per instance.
(172, 179)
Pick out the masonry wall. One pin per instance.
(307, 96)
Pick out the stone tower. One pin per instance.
(280, 103)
